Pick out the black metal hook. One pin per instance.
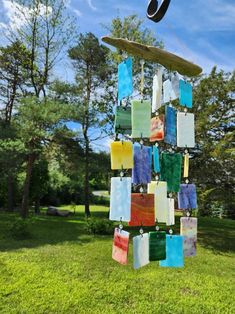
(156, 12)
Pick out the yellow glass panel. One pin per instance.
(121, 155)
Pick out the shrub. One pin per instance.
(99, 226)
(19, 229)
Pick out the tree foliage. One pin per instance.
(14, 76)
(45, 30)
(213, 166)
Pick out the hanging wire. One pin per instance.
(142, 79)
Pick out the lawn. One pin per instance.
(62, 269)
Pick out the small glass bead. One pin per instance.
(186, 151)
(188, 214)
(141, 142)
(120, 226)
(141, 190)
(157, 114)
(157, 178)
(171, 231)
(141, 231)
(157, 228)
(124, 102)
(185, 110)
(187, 181)
(122, 174)
(156, 145)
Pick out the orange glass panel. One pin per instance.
(142, 210)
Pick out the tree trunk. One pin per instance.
(86, 181)
(37, 206)
(25, 200)
(10, 193)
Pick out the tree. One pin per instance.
(44, 32)
(92, 72)
(213, 165)
(38, 120)
(12, 151)
(14, 75)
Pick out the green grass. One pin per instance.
(62, 269)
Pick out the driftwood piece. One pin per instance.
(169, 60)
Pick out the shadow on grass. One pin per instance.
(213, 234)
(48, 230)
(217, 235)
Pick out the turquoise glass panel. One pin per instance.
(174, 252)
(125, 83)
(186, 94)
(156, 161)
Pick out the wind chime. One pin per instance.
(136, 198)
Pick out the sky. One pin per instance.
(202, 31)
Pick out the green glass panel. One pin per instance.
(123, 120)
(141, 119)
(157, 246)
(171, 164)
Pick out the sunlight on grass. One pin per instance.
(62, 269)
